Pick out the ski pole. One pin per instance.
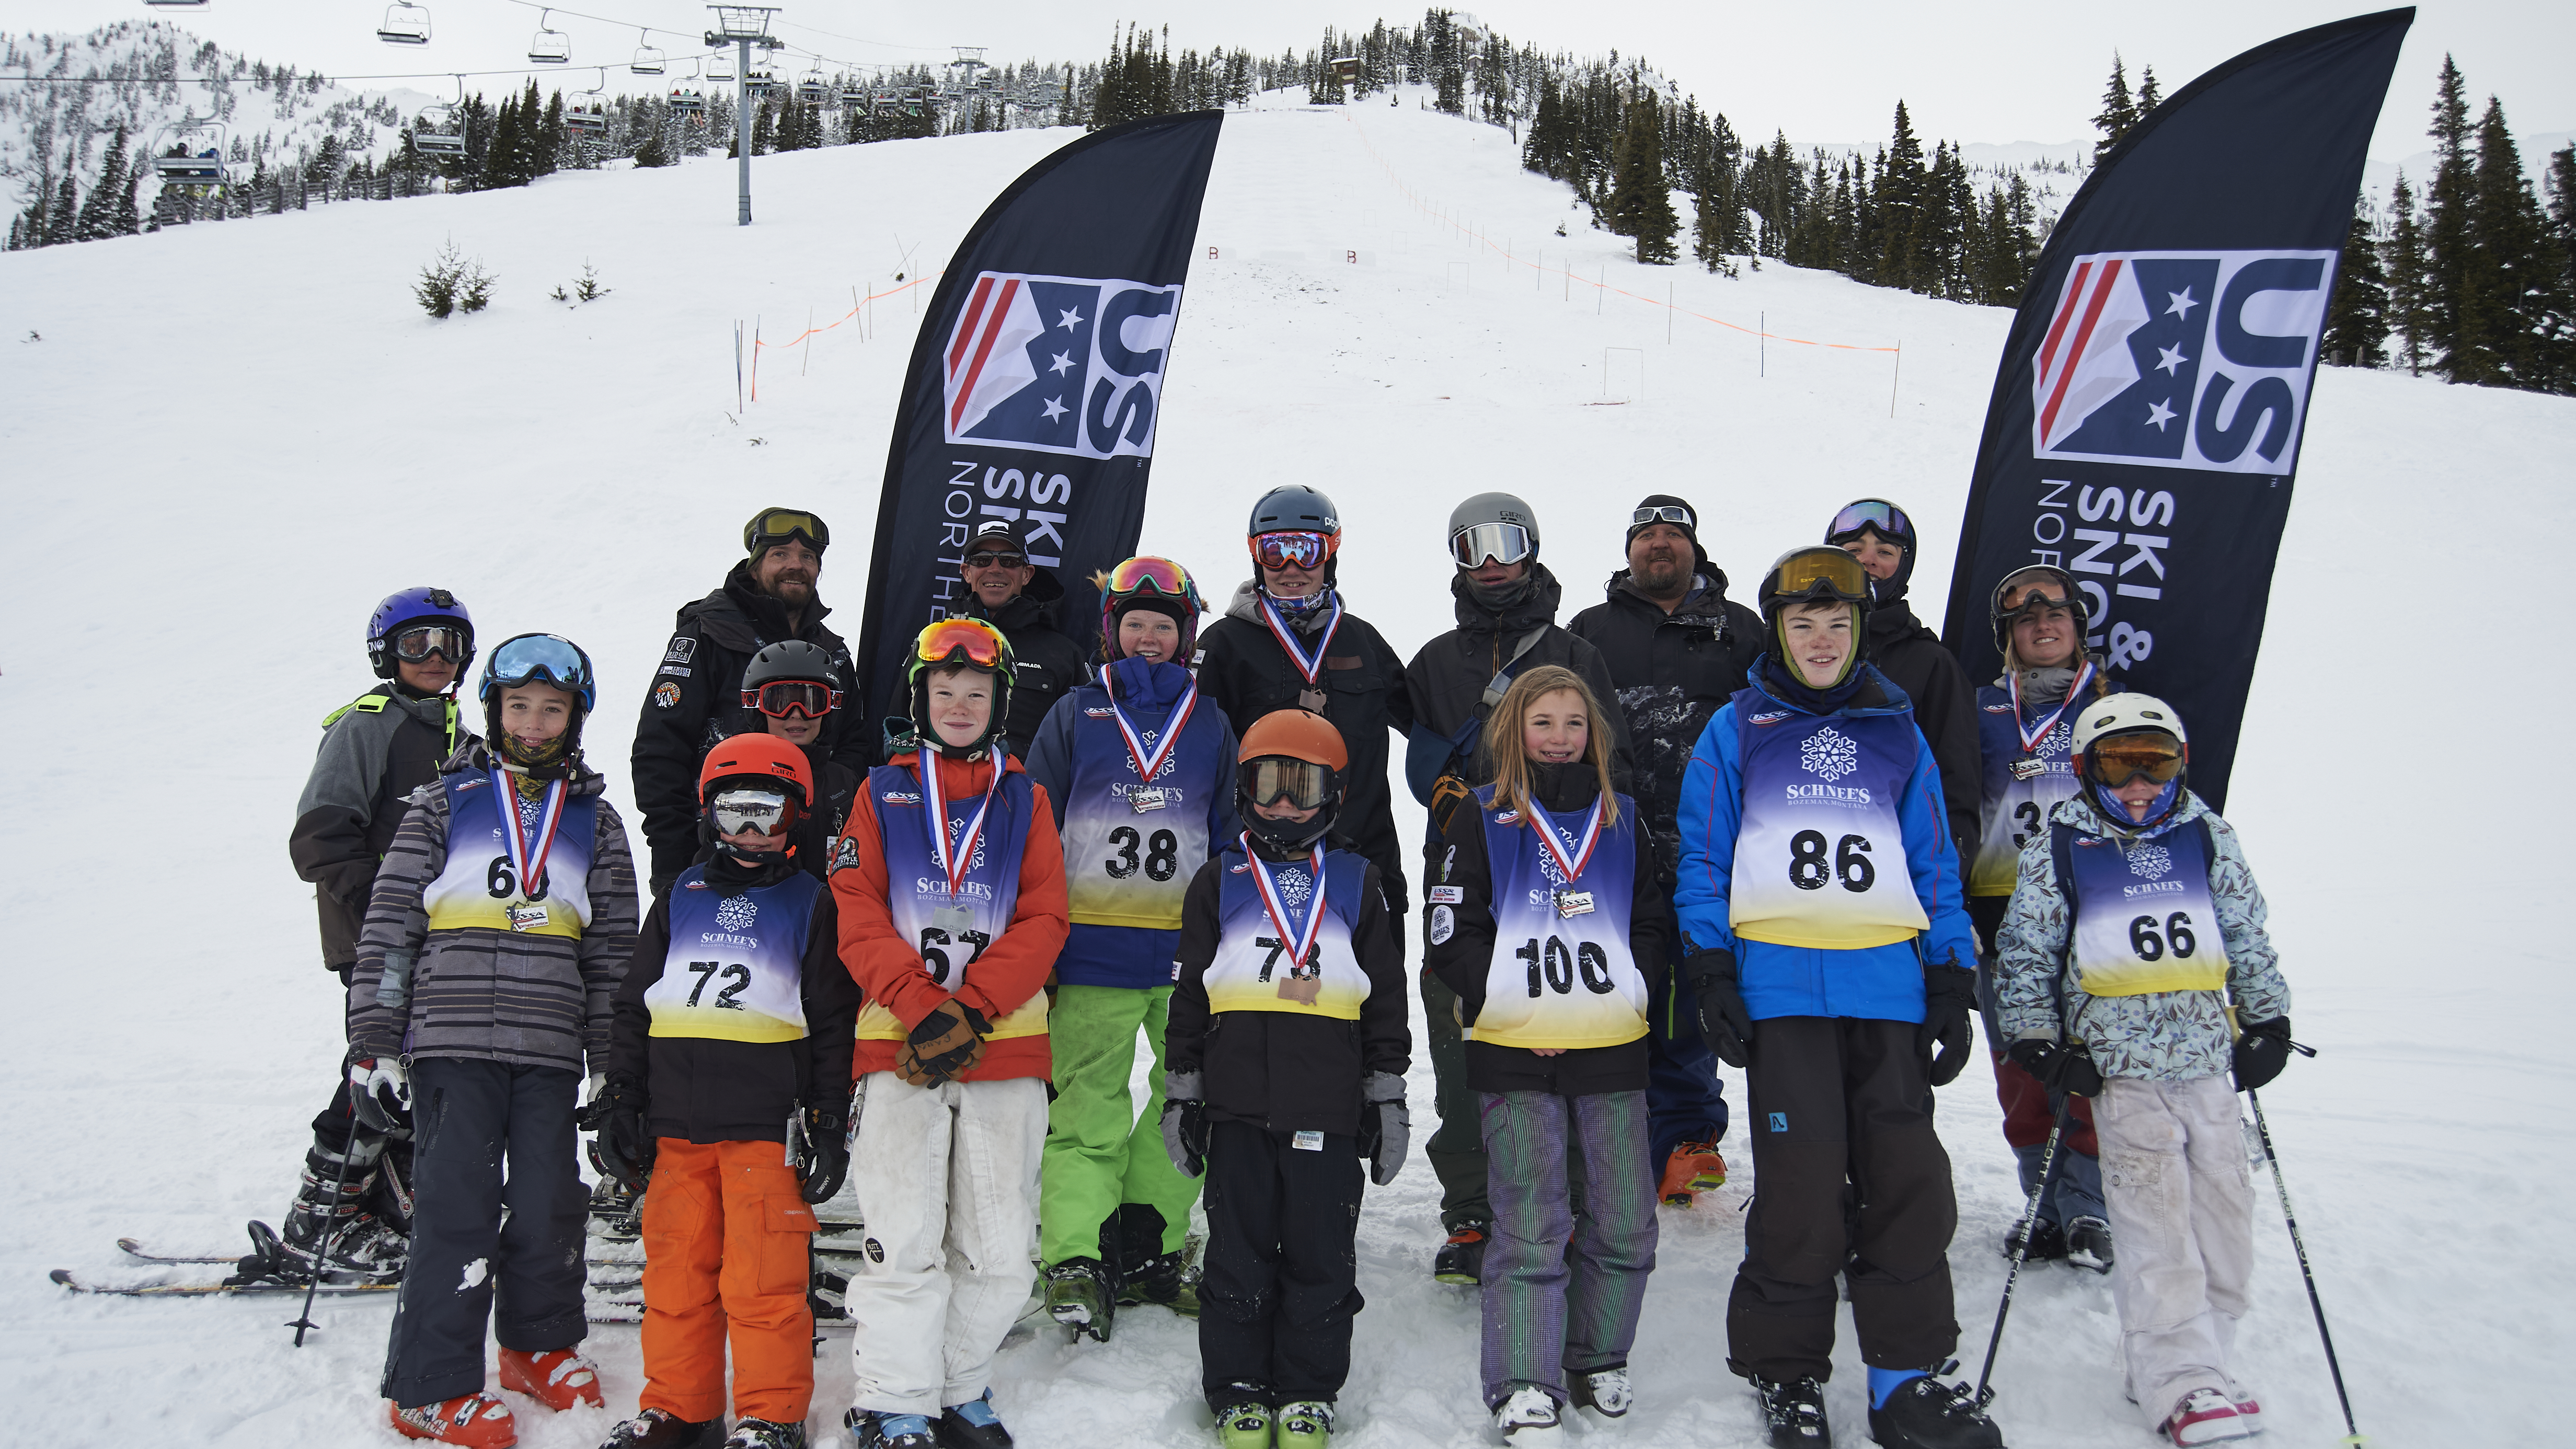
(2352, 1433)
(2021, 1250)
(331, 1234)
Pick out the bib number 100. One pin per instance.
(1810, 871)
(1552, 967)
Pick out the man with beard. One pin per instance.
(1678, 649)
(696, 697)
(1017, 597)
(1505, 603)
(1879, 534)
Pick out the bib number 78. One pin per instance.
(1810, 871)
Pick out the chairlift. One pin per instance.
(175, 4)
(440, 130)
(759, 83)
(811, 91)
(854, 94)
(549, 46)
(591, 119)
(688, 103)
(179, 160)
(404, 24)
(720, 67)
(647, 61)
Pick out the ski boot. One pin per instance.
(1461, 1260)
(1245, 1426)
(1169, 1279)
(2206, 1416)
(1529, 1416)
(556, 1377)
(2047, 1242)
(1692, 1169)
(616, 1210)
(1605, 1391)
(329, 1233)
(2088, 1244)
(662, 1429)
(1926, 1413)
(763, 1434)
(971, 1425)
(1794, 1413)
(1079, 1296)
(1305, 1424)
(476, 1420)
(872, 1430)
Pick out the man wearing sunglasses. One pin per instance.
(1679, 649)
(1021, 599)
(693, 700)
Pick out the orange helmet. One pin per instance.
(1293, 757)
(760, 756)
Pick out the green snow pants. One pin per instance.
(1100, 1154)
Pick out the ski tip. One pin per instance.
(63, 1276)
(130, 1245)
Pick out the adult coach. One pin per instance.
(1019, 598)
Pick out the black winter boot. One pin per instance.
(1079, 1296)
(1794, 1413)
(1926, 1413)
(1461, 1260)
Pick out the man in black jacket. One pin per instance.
(1017, 597)
(1677, 648)
(1879, 534)
(1286, 642)
(1506, 604)
(696, 696)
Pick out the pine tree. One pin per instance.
(2448, 203)
(553, 138)
(62, 220)
(1641, 204)
(2357, 315)
(2514, 322)
(2402, 261)
(2150, 95)
(2119, 113)
(99, 215)
(2562, 213)
(1895, 200)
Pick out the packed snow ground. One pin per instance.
(223, 444)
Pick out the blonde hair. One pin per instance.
(1503, 737)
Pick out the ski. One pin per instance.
(133, 1248)
(78, 1284)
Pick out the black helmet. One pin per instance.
(1815, 573)
(1878, 516)
(1294, 507)
(2001, 615)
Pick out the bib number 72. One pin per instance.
(1810, 871)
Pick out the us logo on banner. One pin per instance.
(2181, 359)
(1058, 364)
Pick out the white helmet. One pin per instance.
(2115, 713)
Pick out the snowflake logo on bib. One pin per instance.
(1829, 754)
(1294, 887)
(957, 836)
(530, 811)
(2150, 862)
(2059, 740)
(735, 912)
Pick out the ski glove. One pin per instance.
(2066, 1069)
(1723, 1021)
(818, 1147)
(945, 1046)
(2261, 1051)
(623, 1149)
(1949, 999)
(1185, 1122)
(1386, 1128)
(380, 1093)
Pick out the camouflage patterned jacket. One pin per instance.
(2167, 1035)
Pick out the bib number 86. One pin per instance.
(2177, 937)
(1809, 871)
(1553, 967)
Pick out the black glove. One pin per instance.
(2067, 1069)
(1949, 999)
(380, 1091)
(1723, 1022)
(1185, 1122)
(2262, 1049)
(822, 1152)
(947, 1045)
(623, 1148)
(1386, 1128)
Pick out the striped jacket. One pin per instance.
(528, 1000)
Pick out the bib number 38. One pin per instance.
(1810, 871)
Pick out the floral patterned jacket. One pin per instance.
(2167, 1035)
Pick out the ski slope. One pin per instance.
(223, 443)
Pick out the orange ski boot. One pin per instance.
(476, 1420)
(557, 1377)
(1692, 1169)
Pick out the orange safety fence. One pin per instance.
(1450, 220)
(857, 304)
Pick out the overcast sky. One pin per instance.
(1994, 72)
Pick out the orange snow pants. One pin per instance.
(726, 1233)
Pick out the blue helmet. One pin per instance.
(409, 607)
(543, 658)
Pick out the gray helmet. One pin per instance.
(1294, 507)
(792, 659)
(1489, 517)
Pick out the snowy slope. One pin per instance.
(221, 450)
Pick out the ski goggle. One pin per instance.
(736, 811)
(2119, 759)
(2033, 589)
(1270, 779)
(954, 641)
(541, 659)
(1667, 513)
(777, 525)
(1886, 518)
(1809, 572)
(1147, 574)
(1292, 550)
(452, 644)
(989, 559)
(1503, 543)
(783, 698)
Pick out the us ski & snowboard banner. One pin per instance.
(1036, 382)
(2146, 420)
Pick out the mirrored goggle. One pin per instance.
(1667, 513)
(411, 646)
(1503, 543)
(1271, 779)
(1291, 550)
(2035, 588)
(1811, 571)
(785, 697)
(1888, 519)
(988, 559)
(949, 639)
(1152, 575)
(739, 810)
(2123, 758)
(781, 524)
(540, 657)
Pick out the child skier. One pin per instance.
(2135, 920)
(2025, 729)
(1819, 904)
(795, 688)
(950, 886)
(375, 751)
(1139, 768)
(1547, 920)
(1307, 1084)
(714, 1065)
(498, 931)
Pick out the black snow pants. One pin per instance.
(1279, 1281)
(1849, 1178)
(467, 1263)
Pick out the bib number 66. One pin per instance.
(2177, 937)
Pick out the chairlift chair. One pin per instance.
(175, 4)
(811, 91)
(587, 120)
(647, 61)
(440, 130)
(404, 24)
(180, 161)
(549, 46)
(854, 94)
(720, 67)
(759, 82)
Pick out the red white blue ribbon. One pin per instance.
(529, 867)
(955, 864)
(1150, 764)
(2031, 736)
(1300, 943)
(1308, 665)
(1546, 827)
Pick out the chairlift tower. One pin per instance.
(743, 26)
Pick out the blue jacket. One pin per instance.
(1878, 982)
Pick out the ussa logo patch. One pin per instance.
(1058, 364)
(2181, 359)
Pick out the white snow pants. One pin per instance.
(947, 1180)
(2182, 1224)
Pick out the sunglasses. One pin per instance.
(1304, 784)
(989, 559)
(736, 811)
(411, 646)
(2123, 758)
(783, 698)
(1872, 513)
(949, 640)
(1669, 513)
(1292, 550)
(1503, 543)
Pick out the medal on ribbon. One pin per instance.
(954, 863)
(1304, 981)
(1309, 666)
(527, 861)
(1149, 763)
(1569, 901)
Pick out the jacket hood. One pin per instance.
(2079, 811)
(1536, 607)
(476, 757)
(1877, 694)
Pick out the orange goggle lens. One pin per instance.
(2117, 761)
(1831, 569)
(942, 642)
(1158, 574)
